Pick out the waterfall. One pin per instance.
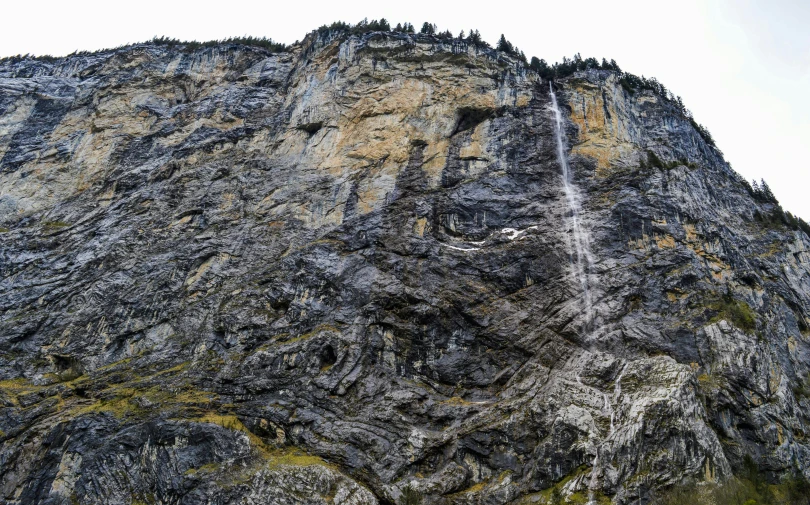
(579, 247)
(593, 483)
(580, 252)
(609, 409)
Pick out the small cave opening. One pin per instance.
(468, 118)
(311, 128)
(67, 368)
(328, 356)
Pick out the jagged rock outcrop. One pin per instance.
(328, 274)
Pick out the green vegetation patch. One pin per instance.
(654, 161)
(749, 488)
(275, 457)
(206, 468)
(13, 389)
(737, 312)
(555, 496)
(802, 389)
(124, 401)
(122, 393)
(710, 382)
(55, 225)
(322, 328)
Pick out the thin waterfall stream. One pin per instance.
(579, 246)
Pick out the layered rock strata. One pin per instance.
(336, 273)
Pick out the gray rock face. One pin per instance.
(324, 276)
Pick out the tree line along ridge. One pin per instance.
(568, 66)
(631, 83)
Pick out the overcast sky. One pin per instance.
(741, 66)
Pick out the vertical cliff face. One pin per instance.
(331, 274)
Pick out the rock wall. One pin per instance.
(331, 274)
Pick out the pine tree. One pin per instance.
(767, 193)
(504, 45)
(428, 29)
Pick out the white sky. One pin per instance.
(741, 66)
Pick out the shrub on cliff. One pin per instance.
(47, 58)
(411, 496)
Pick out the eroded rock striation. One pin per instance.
(336, 273)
